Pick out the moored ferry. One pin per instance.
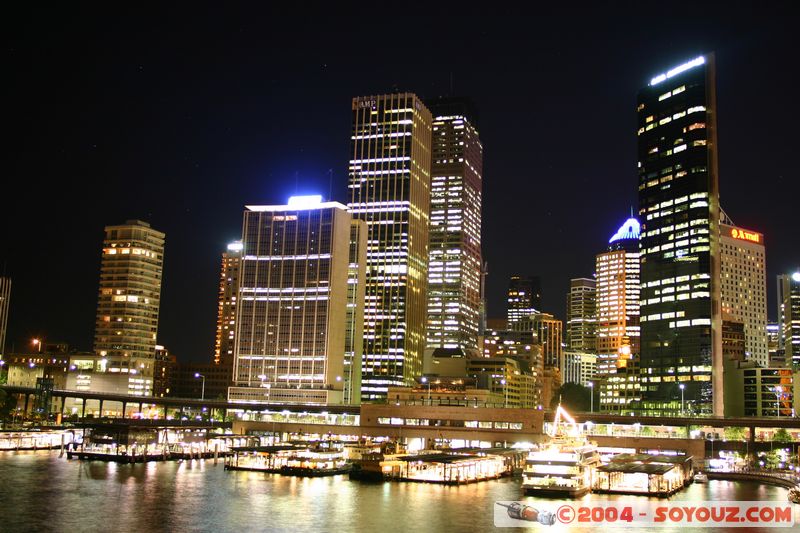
(561, 469)
(565, 467)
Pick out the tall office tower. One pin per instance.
(789, 316)
(291, 318)
(679, 208)
(549, 334)
(454, 268)
(390, 190)
(524, 298)
(582, 315)
(618, 298)
(5, 303)
(774, 345)
(128, 302)
(354, 341)
(618, 288)
(226, 306)
(743, 276)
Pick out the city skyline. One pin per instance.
(184, 194)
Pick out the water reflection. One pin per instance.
(42, 492)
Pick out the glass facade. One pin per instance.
(524, 298)
(292, 304)
(226, 305)
(454, 267)
(618, 330)
(581, 334)
(679, 212)
(389, 187)
(789, 316)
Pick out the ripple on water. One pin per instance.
(42, 492)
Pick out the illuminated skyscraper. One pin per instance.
(775, 347)
(5, 303)
(744, 287)
(679, 209)
(618, 289)
(454, 268)
(390, 180)
(292, 305)
(581, 332)
(354, 340)
(128, 302)
(789, 316)
(549, 334)
(524, 298)
(226, 306)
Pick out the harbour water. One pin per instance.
(41, 492)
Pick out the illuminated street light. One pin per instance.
(682, 387)
(203, 389)
(425, 380)
(778, 391)
(505, 390)
(591, 396)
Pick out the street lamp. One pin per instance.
(425, 380)
(203, 390)
(591, 396)
(38, 344)
(505, 391)
(682, 387)
(778, 391)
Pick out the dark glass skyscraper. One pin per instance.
(524, 298)
(681, 322)
(789, 316)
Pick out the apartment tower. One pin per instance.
(128, 302)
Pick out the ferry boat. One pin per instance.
(700, 478)
(314, 464)
(565, 467)
(561, 469)
(288, 460)
(369, 467)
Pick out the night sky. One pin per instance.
(182, 117)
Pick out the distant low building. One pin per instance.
(188, 381)
(579, 367)
(445, 392)
(754, 391)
